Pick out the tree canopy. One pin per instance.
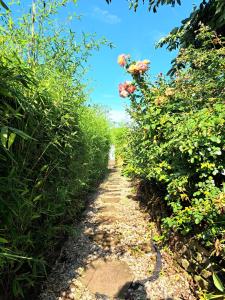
(209, 12)
(152, 4)
(3, 4)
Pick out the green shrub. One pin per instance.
(53, 148)
(177, 139)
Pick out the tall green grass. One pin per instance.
(53, 148)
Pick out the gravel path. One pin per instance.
(110, 249)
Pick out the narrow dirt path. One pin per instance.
(110, 249)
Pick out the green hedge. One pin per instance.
(53, 147)
(177, 138)
(52, 151)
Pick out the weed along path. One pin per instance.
(111, 253)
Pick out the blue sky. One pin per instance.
(130, 32)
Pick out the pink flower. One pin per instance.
(126, 88)
(121, 87)
(124, 94)
(139, 67)
(131, 89)
(122, 59)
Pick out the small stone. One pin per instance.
(107, 277)
(71, 296)
(79, 270)
(88, 231)
(185, 263)
(205, 273)
(199, 257)
(201, 281)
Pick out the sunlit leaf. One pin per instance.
(4, 136)
(218, 283)
(11, 139)
(21, 133)
(3, 241)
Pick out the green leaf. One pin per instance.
(4, 136)
(4, 5)
(17, 289)
(218, 283)
(11, 139)
(37, 198)
(3, 241)
(21, 133)
(211, 296)
(35, 216)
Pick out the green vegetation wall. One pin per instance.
(177, 138)
(53, 148)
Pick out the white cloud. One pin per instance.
(105, 16)
(119, 116)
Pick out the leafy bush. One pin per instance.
(53, 148)
(177, 139)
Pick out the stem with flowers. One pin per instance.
(139, 86)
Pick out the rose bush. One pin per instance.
(177, 138)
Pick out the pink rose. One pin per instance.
(122, 59)
(139, 67)
(124, 94)
(142, 66)
(131, 89)
(126, 88)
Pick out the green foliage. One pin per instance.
(152, 4)
(218, 283)
(220, 287)
(209, 12)
(119, 140)
(177, 140)
(53, 148)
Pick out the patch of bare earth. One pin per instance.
(110, 250)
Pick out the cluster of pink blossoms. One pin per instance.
(139, 67)
(126, 88)
(134, 68)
